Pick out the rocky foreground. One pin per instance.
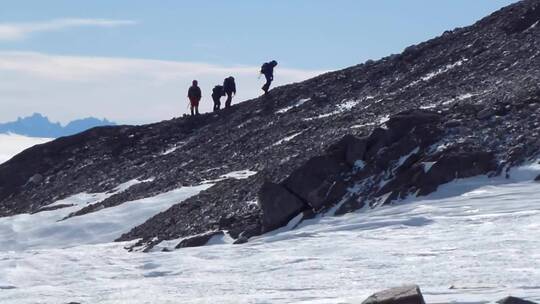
(412, 295)
(463, 104)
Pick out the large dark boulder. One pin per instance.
(198, 240)
(316, 179)
(514, 300)
(278, 206)
(350, 148)
(402, 123)
(450, 165)
(410, 294)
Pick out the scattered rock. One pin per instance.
(410, 294)
(486, 113)
(452, 123)
(35, 179)
(514, 300)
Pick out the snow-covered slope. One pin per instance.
(475, 240)
(12, 144)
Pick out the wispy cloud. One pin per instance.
(18, 31)
(123, 89)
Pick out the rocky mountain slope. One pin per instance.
(463, 104)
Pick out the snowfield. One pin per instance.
(12, 144)
(474, 241)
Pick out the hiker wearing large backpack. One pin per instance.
(194, 95)
(267, 70)
(229, 87)
(217, 93)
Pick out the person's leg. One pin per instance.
(229, 99)
(266, 86)
(216, 101)
(192, 112)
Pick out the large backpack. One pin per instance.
(218, 91)
(265, 68)
(229, 85)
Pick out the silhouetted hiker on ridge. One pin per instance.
(194, 95)
(229, 86)
(267, 70)
(217, 93)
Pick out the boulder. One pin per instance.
(401, 123)
(454, 164)
(486, 113)
(313, 181)
(198, 240)
(35, 179)
(350, 148)
(352, 203)
(409, 294)
(514, 300)
(378, 139)
(278, 206)
(452, 123)
(537, 179)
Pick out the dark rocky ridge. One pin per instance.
(462, 104)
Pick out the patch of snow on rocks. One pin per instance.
(244, 174)
(286, 139)
(362, 125)
(298, 104)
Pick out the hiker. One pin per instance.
(267, 70)
(229, 87)
(217, 93)
(194, 95)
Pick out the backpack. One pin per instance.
(218, 91)
(265, 68)
(229, 85)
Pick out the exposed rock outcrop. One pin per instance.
(198, 240)
(399, 295)
(514, 300)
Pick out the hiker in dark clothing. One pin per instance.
(217, 93)
(229, 87)
(267, 70)
(194, 95)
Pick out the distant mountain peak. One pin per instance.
(39, 125)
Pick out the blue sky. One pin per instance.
(305, 36)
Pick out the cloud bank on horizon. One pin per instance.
(125, 90)
(17, 31)
(13, 144)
